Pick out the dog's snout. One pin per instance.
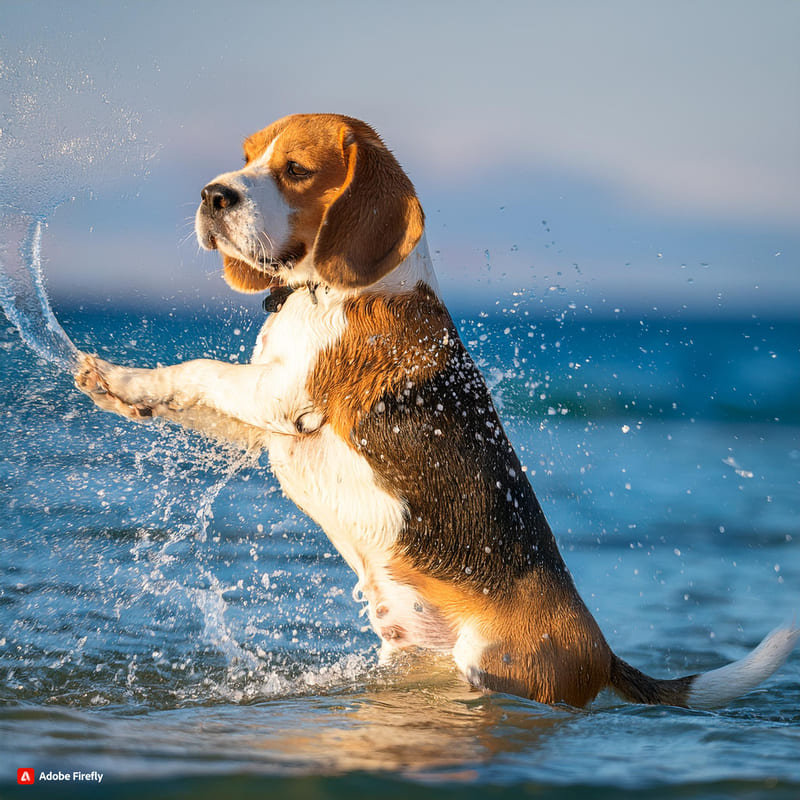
(218, 196)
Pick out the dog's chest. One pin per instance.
(317, 469)
(336, 486)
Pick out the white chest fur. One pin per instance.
(320, 472)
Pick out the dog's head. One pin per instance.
(320, 199)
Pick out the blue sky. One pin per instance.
(634, 155)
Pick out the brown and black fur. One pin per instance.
(476, 541)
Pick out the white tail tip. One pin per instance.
(721, 685)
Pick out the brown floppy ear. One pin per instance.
(374, 222)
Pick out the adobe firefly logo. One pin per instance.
(25, 776)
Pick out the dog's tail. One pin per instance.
(708, 689)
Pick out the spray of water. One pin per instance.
(23, 295)
(60, 136)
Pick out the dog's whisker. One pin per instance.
(268, 240)
(186, 238)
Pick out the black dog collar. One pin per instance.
(274, 301)
(276, 298)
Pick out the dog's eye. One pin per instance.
(297, 170)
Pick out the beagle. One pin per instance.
(381, 428)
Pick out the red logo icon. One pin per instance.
(25, 776)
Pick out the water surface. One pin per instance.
(169, 619)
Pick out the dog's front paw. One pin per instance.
(105, 383)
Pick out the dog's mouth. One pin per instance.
(274, 267)
(256, 273)
(278, 266)
(251, 265)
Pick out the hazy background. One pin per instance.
(634, 156)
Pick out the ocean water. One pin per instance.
(169, 619)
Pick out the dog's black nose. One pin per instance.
(218, 196)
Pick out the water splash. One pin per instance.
(187, 494)
(23, 295)
(60, 136)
